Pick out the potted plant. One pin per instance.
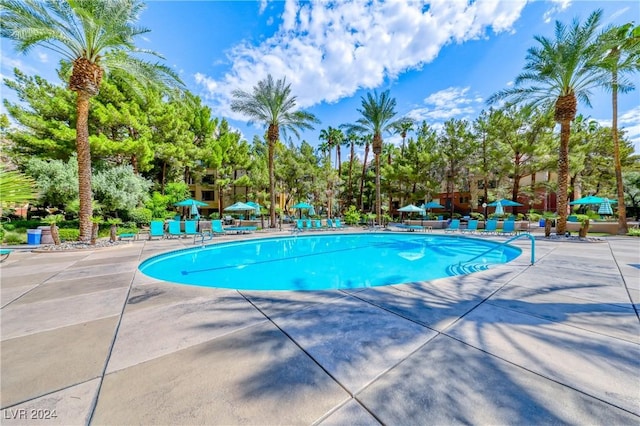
(584, 225)
(53, 221)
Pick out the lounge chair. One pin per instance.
(317, 224)
(216, 227)
(330, 224)
(156, 229)
(508, 228)
(4, 254)
(174, 229)
(490, 227)
(299, 226)
(307, 224)
(209, 233)
(405, 227)
(472, 227)
(190, 227)
(453, 226)
(128, 236)
(337, 224)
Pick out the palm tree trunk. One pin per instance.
(378, 201)
(563, 177)
(364, 174)
(84, 165)
(622, 211)
(273, 134)
(352, 155)
(339, 161)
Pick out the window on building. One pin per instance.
(208, 195)
(208, 179)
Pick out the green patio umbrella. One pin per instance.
(590, 199)
(605, 207)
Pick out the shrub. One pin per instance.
(140, 215)
(15, 238)
(68, 234)
(352, 216)
(477, 216)
(634, 232)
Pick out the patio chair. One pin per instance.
(174, 230)
(453, 226)
(4, 254)
(190, 227)
(337, 223)
(299, 226)
(490, 227)
(330, 224)
(307, 224)
(156, 229)
(508, 228)
(472, 227)
(318, 224)
(216, 227)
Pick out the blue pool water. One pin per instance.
(330, 261)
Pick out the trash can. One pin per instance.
(33, 236)
(541, 223)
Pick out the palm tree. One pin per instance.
(334, 138)
(621, 53)
(402, 127)
(366, 141)
(94, 36)
(352, 137)
(557, 74)
(377, 113)
(271, 103)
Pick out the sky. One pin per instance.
(439, 59)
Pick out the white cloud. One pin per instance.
(630, 122)
(558, 6)
(453, 102)
(329, 50)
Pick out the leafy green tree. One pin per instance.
(272, 104)
(56, 180)
(620, 46)
(377, 113)
(557, 74)
(456, 145)
(93, 35)
(632, 190)
(120, 188)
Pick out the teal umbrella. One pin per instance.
(255, 206)
(432, 205)
(605, 207)
(499, 209)
(411, 209)
(505, 203)
(192, 204)
(590, 199)
(312, 211)
(302, 205)
(239, 207)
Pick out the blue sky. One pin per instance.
(439, 59)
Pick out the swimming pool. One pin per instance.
(329, 261)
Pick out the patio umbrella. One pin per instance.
(411, 209)
(193, 204)
(505, 203)
(301, 205)
(605, 207)
(432, 205)
(499, 209)
(256, 206)
(239, 207)
(591, 199)
(312, 211)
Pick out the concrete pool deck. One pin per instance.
(87, 337)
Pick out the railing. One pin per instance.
(533, 247)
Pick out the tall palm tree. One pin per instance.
(557, 75)
(620, 56)
(334, 138)
(94, 36)
(272, 103)
(366, 141)
(403, 127)
(352, 138)
(377, 114)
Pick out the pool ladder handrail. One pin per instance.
(525, 234)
